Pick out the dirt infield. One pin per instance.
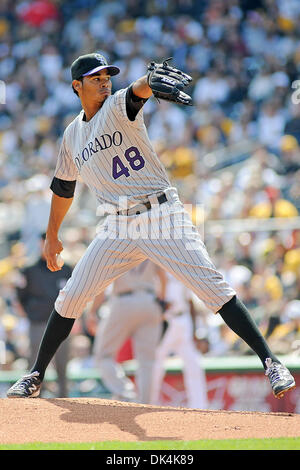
(93, 419)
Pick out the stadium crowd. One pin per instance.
(234, 155)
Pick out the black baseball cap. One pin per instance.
(91, 63)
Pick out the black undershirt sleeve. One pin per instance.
(133, 104)
(63, 188)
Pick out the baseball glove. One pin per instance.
(167, 83)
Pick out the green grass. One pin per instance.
(229, 444)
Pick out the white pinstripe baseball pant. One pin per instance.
(166, 235)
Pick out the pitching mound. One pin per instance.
(92, 419)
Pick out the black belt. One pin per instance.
(130, 292)
(143, 207)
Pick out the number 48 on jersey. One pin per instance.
(133, 157)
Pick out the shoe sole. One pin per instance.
(280, 394)
(34, 395)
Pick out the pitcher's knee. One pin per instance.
(70, 304)
(216, 301)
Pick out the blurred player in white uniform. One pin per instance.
(179, 340)
(134, 312)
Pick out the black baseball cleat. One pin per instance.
(28, 386)
(281, 379)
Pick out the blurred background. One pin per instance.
(234, 155)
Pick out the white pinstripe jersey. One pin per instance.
(112, 154)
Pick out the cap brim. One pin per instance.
(112, 69)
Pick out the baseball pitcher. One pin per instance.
(107, 146)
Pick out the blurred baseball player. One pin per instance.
(179, 339)
(134, 312)
(108, 147)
